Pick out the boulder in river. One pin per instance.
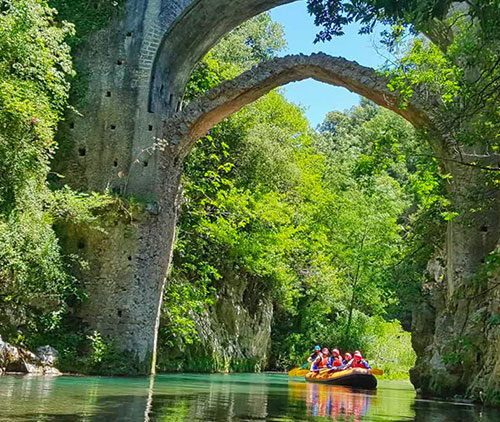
(18, 360)
(47, 355)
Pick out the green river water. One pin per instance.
(218, 397)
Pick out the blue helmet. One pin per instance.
(317, 348)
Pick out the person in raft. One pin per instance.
(358, 362)
(314, 355)
(347, 358)
(321, 361)
(335, 361)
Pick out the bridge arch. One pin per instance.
(202, 24)
(179, 51)
(163, 44)
(185, 127)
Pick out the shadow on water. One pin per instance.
(238, 397)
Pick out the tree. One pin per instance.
(256, 40)
(36, 288)
(34, 68)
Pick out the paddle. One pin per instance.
(299, 372)
(374, 371)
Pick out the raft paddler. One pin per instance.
(335, 361)
(321, 360)
(314, 355)
(347, 358)
(325, 357)
(358, 362)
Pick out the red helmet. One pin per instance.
(335, 352)
(357, 354)
(348, 356)
(325, 351)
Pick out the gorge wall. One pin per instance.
(133, 74)
(455, 332)
(234, 332)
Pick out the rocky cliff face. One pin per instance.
(456, 327)
(235, 332)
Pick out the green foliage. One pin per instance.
(334, 15)
(313, 220)
(89, 354)
(460, 72)
(419, 15)
(256, 40)
(384, 343)
(336, 227)
(34, 66)
(389, 348)
(427, 69)
(87, 15)
(464, 78)
(36, 288)
(374, 144)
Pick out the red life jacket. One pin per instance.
(324, 362)
(337, 361)
(358, 364)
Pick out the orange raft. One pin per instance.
(355, 377)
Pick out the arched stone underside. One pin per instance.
(184, 128)
(180, 50)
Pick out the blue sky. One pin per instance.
(318, 98)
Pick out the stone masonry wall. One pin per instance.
(107, 145)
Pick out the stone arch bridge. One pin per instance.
(137, 71)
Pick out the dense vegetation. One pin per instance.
(334, 224)
(34, 69)
(37, 288)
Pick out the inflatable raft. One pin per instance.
(355, 377)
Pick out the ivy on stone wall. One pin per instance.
(87, 16)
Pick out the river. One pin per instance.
(218, 397)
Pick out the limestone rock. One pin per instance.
(47, 355)
(8, 354)
(455, 332)
(19, 360)
(235, 332)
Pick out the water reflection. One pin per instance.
(240, 397)
(39, 398)
(336, 402)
